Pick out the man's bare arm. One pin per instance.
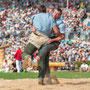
(56, 31)
(32, 27)
(59, 38)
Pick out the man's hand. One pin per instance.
(33, 29)
(59, 38)
(50, 41)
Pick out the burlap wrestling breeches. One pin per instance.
(38, 39)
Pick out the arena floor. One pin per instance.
(31, 84)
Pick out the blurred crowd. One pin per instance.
(15, 28)
(70, 51)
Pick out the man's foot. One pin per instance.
(27, 62)
(55, 79)
(40, 82)
(49, 81)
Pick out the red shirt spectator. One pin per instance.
(18, 54)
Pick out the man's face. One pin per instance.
(56, 14)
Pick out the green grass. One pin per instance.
(66, 75)
(18, 75)
(70, 75)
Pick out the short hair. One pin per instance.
(59, 9)
(42, 8)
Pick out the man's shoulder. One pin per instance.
(41, 14)
(59, 21)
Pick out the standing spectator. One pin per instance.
(17, 56)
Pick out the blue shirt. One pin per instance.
(61, 26)
(43, 23)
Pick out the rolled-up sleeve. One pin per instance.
(54, 23)
(32, 18)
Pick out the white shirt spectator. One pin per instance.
(6, 66)
(84, 66)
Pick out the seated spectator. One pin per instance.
(13, 66)
(67, 66)
(6, 66)
(84, 67)
(71, 66)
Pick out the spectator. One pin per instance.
(71, 66)
(13, 66)
(84, 67)
(6, 67)
(17, 56)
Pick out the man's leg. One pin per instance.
(17, 66)
(29, 50)
(47, 70)
(41, 68)
(20, 66)
(26, 56)
(43, 51)
(46, 49)
(43, 64)
(44, 67)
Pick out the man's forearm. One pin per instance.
(33, 28)
(59, 38)
(31, 24)
(56, 30)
